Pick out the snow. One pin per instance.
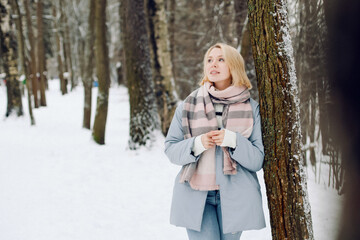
(56, 183)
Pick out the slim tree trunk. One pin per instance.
(244, 43)
(240, 20)
(63, 87)
(284, 175)
(143, 113)
(161, 62)
(21, 48)
(67, 50)
(33, 77)
(102, 71)
(89, 64)
(41, 51)
(9, 55)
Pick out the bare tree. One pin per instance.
(89, 65)
(102, 71)
(166, 95)
(41, 51)
(68, 62)
(59, 50)
(21, 50)
(244, 43)
(143, 113)
(9, 54)
(284, 175)
(32, 61)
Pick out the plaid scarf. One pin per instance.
(199, 117)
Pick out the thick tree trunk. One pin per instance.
(161, 63)
(89, 65)
(284, 175)
(33, 77)
(102, 71)
(41, 51)
(21, 48)
(143, 113)
(9, 55)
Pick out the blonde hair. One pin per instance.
(235, 62)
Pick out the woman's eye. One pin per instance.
(221, 60)
(209, 60)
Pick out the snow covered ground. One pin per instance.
(57, 184)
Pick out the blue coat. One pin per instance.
(240, 195)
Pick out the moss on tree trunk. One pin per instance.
(284, 177)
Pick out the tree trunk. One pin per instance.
(21, 47)
(66, 46)
(63, 87)
(41, 51)
(161, 63)
(240, 20)
(102, 71)
(284, 175)
(143, 113)
(89, 65)
(69, 61)
(33, 77)
(9, 55)
(171, 30)
(244, 44)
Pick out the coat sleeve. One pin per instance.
(178, 149)
(249, 152)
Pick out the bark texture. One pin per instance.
(9, 55)
(166, 96)
(285, 180)
(32, 62)
(102, 72)
(21, 51)
(143, 113)
(66, 45)
(41, 51)
(89, 65)
(63, 87)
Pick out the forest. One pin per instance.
(151, 51)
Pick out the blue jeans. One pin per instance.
(211, 226)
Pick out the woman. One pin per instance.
(215, 136)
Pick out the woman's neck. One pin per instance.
(222, 85)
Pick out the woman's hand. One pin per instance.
(207, 141)
(218, 136)
(212, 138)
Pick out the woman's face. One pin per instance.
(217, 70)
